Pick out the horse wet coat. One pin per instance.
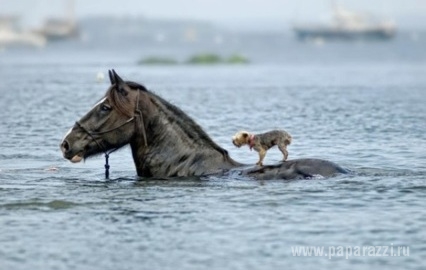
(165, 141)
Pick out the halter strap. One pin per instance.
(109, 130)
(106, 153)
(142, 122)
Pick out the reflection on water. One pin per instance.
(361, 106)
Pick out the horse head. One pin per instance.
(109, 125)
(164, 140)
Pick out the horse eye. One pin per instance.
(105, 108)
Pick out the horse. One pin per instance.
(166, 142)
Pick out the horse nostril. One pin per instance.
(65, 146)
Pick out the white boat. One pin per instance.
(63, 27)
(11, 35)
(347, 25)
(58, 29)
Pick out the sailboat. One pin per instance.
(347, 25)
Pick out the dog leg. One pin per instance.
(262, 154)
(283, 149)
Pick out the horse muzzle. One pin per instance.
(70, 154)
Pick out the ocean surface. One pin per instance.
(361, 105)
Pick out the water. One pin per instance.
(359, 105)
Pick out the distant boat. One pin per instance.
(12, 36)
(61, 28)
(347, 25)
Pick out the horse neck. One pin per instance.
(176, 145)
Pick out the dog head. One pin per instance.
(241, 138)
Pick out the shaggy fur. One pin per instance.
(263, 142)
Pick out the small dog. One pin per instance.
(263, 142)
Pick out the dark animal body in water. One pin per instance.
(166, 142)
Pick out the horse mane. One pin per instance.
(189, 126)
(174, 114)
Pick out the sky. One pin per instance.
(229, 12)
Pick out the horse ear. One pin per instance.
(118, 81)
(116, 77)
(111, 77)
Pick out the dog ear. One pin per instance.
(245, 135)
